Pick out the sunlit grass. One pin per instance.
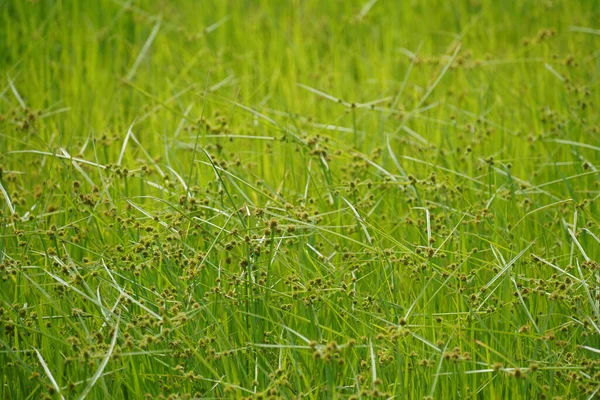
(304, 199)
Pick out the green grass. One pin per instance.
(299, 199)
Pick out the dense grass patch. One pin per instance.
(299, 199)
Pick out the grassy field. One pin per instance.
(299, 199)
